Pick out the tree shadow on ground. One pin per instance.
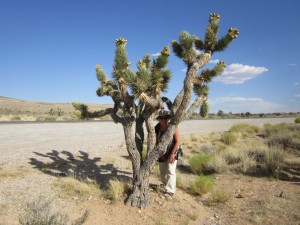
(81, 167)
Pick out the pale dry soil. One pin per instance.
(97, 150)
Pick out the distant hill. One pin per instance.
(16, 107)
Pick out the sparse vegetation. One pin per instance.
(273, 161)
(199, 163)
(201, 185)
(218, 196)
(70, 187)
(117, 190)
(4, 174)
(245, 129)
(229, 137)
(40, 213)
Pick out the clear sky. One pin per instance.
(49, 48)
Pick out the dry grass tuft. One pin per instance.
(218, 196)
(13, 174)
(229, 138)
(40, 213)
(117, 190)
(70, 187)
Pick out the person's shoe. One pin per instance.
(168, 195)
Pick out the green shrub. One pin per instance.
(229, 137)
(199, 163)
(201, 185)
(297, 120)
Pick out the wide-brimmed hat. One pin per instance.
(163, 113)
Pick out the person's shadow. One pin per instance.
(82, 167)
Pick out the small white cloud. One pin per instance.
(155, 54)
(293, 64)
(237, 99)
(296, 83)
(184, 70)
(239, 73)
(214, 61)
(298, 95)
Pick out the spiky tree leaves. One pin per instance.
(204, 109)
(211, 42)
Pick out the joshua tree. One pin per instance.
(137, 96)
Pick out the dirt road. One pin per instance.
(17, 140)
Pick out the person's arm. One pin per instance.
(175, 147)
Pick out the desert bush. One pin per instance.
(245, 129)
(56, 112)
(40, 213)
(282, 141)
(50, 118)
(199, 163)
(297, 120)
(220, 147)
(15, 118)
(273, 163)
(201, 185)
(273, 130)
(218, 196)
(247, 163)
(217, 163)
(229, 138)
(117, 190)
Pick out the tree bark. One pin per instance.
(132, 150)
(140, 196)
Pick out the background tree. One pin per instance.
(137, 97)
(221, 113)
(204, 108)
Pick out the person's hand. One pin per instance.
(171, 158)
(163, 158)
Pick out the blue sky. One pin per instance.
(49, 48)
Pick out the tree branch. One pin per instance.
(188, 86)
(178, 100)
(196, 104)
(168, 102)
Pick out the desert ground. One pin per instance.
(33, 157)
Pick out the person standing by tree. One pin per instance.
(168, 161)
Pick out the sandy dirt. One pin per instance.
(24, 146)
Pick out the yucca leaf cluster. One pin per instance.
(192, 49)
(145, 84)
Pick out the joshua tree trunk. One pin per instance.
(140, 196)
